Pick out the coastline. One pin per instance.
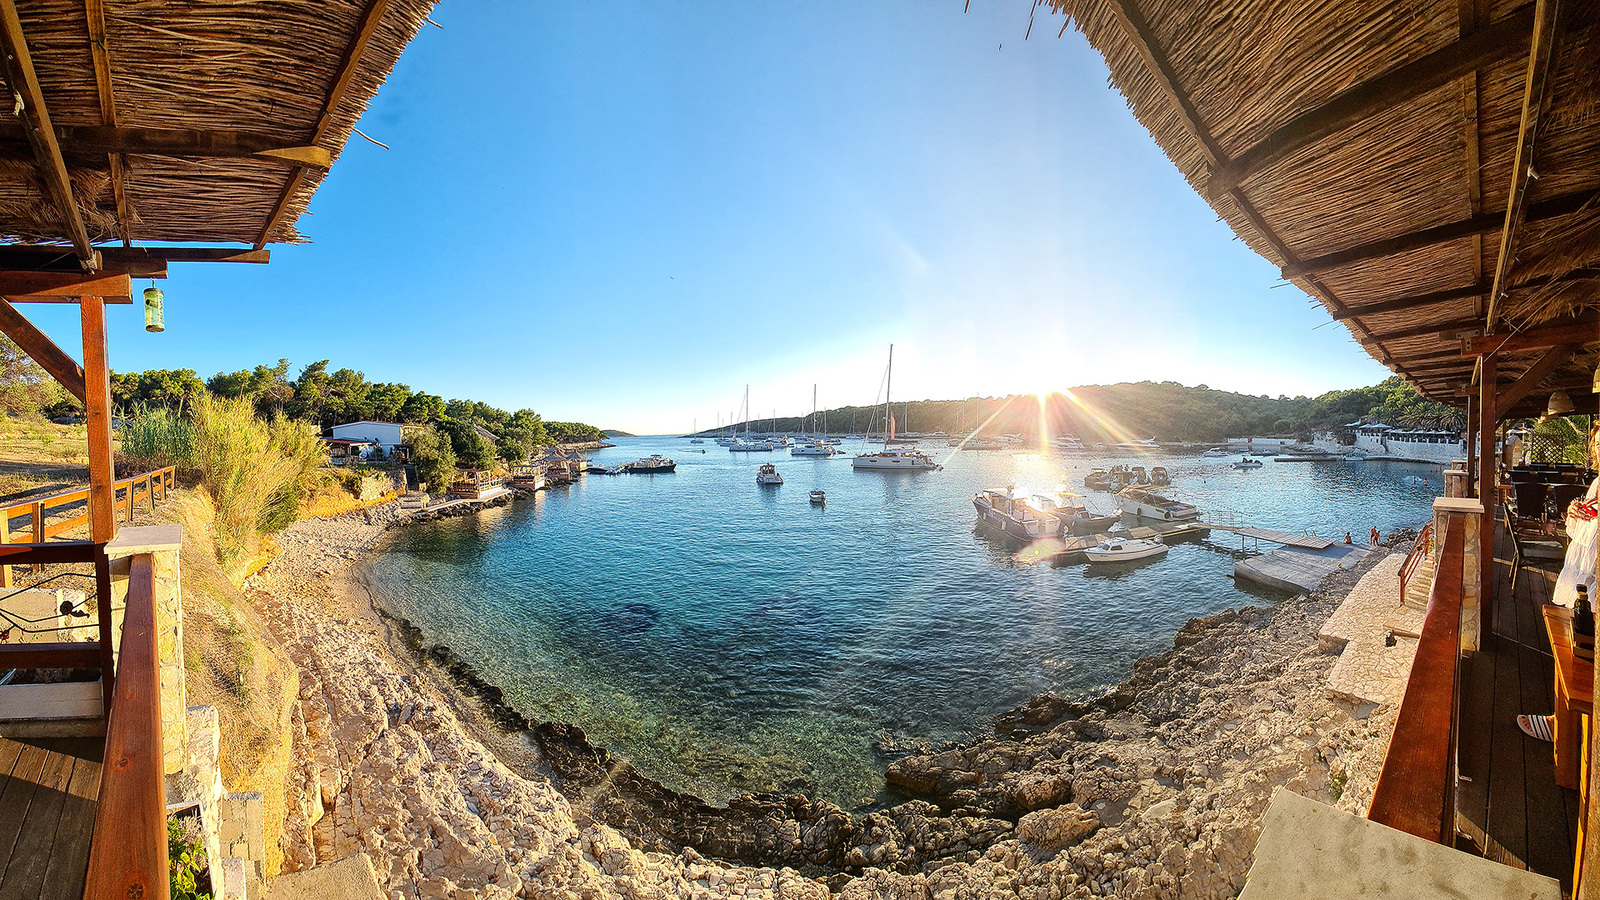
(1152, 789)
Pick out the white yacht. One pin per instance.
(1068, 443)
(818, 447)
(1155, 503)
(1217, 453)
(1125, 550)
(768, 474)
(739, 446)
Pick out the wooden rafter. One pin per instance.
(1583, 331)
(1138, 32)
(1535, 99)
(115, 140)
(1531, 377)
(370, 21)
(94, 12)
(41, 133)
(1481, 289)
(1484, 47)
(58, 287)
(1411, 331)
(38, 345)
(1555, 207)
(144, 262)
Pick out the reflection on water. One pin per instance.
(728, 637)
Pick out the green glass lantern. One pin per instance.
(153, 320)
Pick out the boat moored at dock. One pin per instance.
(1155, 503)
(1015, 515)
(1118, 550)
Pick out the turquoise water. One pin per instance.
(727, 637)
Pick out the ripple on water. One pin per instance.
(730, 638)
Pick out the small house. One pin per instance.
(343, 451)
(384, 434)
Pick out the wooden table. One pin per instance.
(1574, 696)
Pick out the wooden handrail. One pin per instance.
(165, 478)
(1422, 548)
(1416, 788)
(50, 655)
(128, 857)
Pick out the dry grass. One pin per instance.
(24, 441)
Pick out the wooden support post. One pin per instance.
(5, 538)
(38, 529)
(1472, 446)
(1488, 488)
(102, 476)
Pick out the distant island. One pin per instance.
(616, 432)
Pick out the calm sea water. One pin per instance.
(727, 637)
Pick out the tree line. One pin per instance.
(1164, 410)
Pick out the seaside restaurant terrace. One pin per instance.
(139, 135)
(1429, 172)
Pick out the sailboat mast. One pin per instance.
(888, 382)
(814, 431)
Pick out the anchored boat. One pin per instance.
(768, 474)
(1124, 550)
(888, 459)
(818, 498)
(656, 463)
(1155, 503)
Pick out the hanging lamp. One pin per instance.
(1560, 404)
(153, 318)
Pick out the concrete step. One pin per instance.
(1375, 637)
(351, 878)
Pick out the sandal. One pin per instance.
(1537, 727)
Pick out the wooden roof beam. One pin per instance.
(1452, 325)
(1553, 359)
(41, 133)
(1555, 207)
(144, 262)
(112, 139)
(370, 20)
(1486, 46)
(42, 350)
(1480, 289)
(94, 13)
(1535, 99)
(1584, 331)
(64, 287)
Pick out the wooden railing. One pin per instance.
(128, 856)
(1416, 789)
(1422, 549)
(127, 493)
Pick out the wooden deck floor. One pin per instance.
(47, 806)
(1511, 808)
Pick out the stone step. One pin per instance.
(1375, 637)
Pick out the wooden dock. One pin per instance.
(47, 809)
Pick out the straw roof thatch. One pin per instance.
(1355, 122)
(267, 75)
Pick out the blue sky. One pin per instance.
(622, 213)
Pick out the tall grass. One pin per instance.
(158, 437)
(255, 471)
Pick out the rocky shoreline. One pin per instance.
(1152, 789)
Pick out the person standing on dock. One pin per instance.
(1372, 537)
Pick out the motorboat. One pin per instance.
(911, 460)
(739, 446)
(1247, 463)
(1155, 503)
(768, 474)
(1146, 445)
(1217, 453)
(696, 441)
(1068, 443)
(1016, 516)
(1159, 476)
(818, 447)
(604, 470)
(982, 444)
(818, 498)
(1123, 550)
(654, 464)
(1116, 478)
(1355, 457)
(1074, 514)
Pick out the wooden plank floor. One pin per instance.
(1508, 803)
(47, 806)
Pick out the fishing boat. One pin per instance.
(1015, 515)
(891, 459)
(654, 464)
(768, 474)
(818, 498)
(1247, 463)
(1155, 503)
(1074, 514)
(1123, 550)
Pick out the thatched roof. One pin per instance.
(248, 103)
(1371, 149)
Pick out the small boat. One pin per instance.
(819, 447)
(1123, 550)
(1159, 476)
(982, 444)
(1247, 463)
(1074, 514)
(1068, 443)
(1217, 453)
(697, 441)
(739, 446)
(1355, 457)
(1155, 503)
(1014, 515)
(818, 498)
(656, 463)
(768, 474)
(604, 470)
(1145, 445)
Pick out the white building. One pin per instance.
(384, 434)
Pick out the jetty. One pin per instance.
(1298, 569)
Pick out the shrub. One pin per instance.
(434, 456)
(159, 438)
(186, 858)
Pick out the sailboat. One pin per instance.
(816, 445)
(747, 445)
(692, 438)
(889, 459)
